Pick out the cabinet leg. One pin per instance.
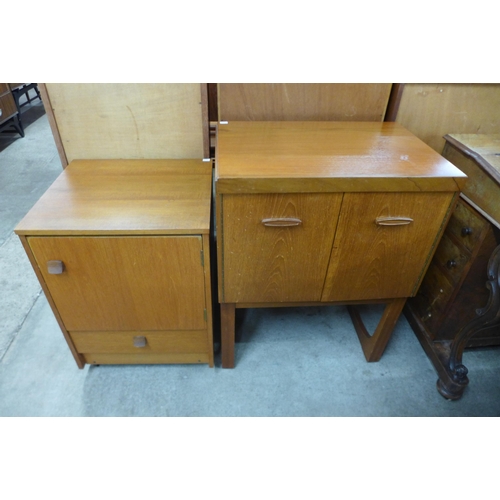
(374, 345)
(227, 313)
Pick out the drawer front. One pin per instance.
(276, 247)
(433, 297)
(466, 225)
(7, 107)
(451, 258)
(125, 283)
(4, 88)
(141, 342)
(374, 261)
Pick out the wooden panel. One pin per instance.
(4, 88)
(125, 196)
(105, 121)
(130, 283)
(481, 188)
(433, 110)
(303, 101)
(370, 261)
(276, 264)
(318, 156)
(146, 358)
(123, 342)
(451, 258)
(466, 225)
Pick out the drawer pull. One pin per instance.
(55, 266)
(393, 221)
(466, 231)
(451, 263)
(282, 222)
(140, 341)
(1, 112)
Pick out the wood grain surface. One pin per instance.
(303, 101)
(276, 264)
(370, 261)
(129, 283)
(129, 120)
(432, 110)
(125, 197)
(328, 156)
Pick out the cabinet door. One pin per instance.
(125, 283)
(372, 261)
(267, 260)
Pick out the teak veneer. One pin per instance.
(326, 213)
(121, 249)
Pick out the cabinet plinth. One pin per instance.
(121, 249)
(326, 213)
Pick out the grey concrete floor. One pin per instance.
(289, 362)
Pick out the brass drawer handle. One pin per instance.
(140, 341)
(393, 221)
(55, 266)
(282, 222)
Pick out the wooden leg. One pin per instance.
(227, 313)
(374, 345)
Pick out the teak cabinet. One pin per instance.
(326, 213)
(121, 248)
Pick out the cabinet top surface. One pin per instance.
(365, 153)
(106, 197)
(484, 148)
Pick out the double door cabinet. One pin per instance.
(326, 213)
(121, 249)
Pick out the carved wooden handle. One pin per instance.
(55, 266)
(393, 221)
(140, 341)
(282, 222)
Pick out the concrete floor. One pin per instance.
(290, 362)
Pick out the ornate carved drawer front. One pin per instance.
(433, 296)
(466, 226)
(276, 247)
(382, 243)
(124, 283)
(451, 258)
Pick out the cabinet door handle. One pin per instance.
(55, 266)
(140, 341)
(393, 221)
(282, 222)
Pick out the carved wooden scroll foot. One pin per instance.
(452, 384)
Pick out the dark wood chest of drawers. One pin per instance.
(454, 287)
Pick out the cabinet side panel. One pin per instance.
(371, 261)
(277, 263)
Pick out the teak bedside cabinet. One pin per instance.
(317, 213)
(121, 249)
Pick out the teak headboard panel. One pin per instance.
(128, 120)
(303, 101)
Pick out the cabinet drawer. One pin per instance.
(7, 107)
(466, 225)
(451, 258)
(276, 247)
(125, 283)
(140, 342)
(4, 88)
